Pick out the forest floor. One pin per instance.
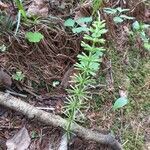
(125, 67)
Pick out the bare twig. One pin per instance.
(55, 120)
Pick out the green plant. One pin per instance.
(118, 14)
(75, 25)
(87, 66)
(34, 37)
(19, 76)
(140, 28)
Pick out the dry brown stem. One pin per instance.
(55, 120)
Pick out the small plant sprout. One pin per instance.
(75, 25)
(34, 37)
(118, 14)
(140, 28)
(88, 65)
(18, 76)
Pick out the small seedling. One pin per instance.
(118, 14)
(75, 25)
(34, 37)
(139, 28)
(19, 76)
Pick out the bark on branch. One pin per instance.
(55, 120)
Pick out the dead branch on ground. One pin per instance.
(30, 111)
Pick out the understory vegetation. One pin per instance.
(92, 66)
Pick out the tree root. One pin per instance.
(30, 111)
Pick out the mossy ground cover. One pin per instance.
(131, 72)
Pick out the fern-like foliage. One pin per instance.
(87, 66)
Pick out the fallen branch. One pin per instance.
(55, 120)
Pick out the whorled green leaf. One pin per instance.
(120, 102)
(34, 37)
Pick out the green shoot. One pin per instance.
(88, 65)
(19, 76)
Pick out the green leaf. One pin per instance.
(136, 25)
(69, 22)
(120, 102)
(121, 10)
(126, 17)
(80, 29)
(110, 11)
(117, 19)
(34, 37)
(84, 20)
(147, 46)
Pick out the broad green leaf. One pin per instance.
(80, 29)
(69, 22)
(84, 20)
(126, 17)
(117, 19)
(34, 36)
(120, 102)
(136, 25)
